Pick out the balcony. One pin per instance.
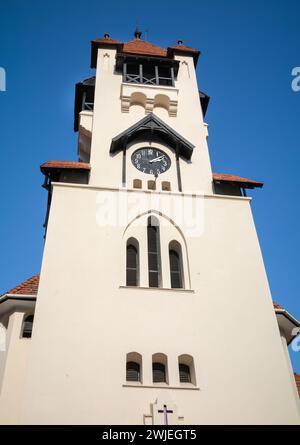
(141, 79)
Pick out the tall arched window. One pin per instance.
(132, 263)
(154, 263)
(176, 269)
(27, 326)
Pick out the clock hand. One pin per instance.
(157, 159)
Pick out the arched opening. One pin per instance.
(138, 99)
(134, 367)
(159, 368)
(184, 373)
(132, 262)
(186, 369)
(154, 259)
(27, 326)
(176, 266)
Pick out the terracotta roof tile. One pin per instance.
(65, 165)
(28, 287)
(142, 47)
(223, 177)
(277, 306)
(180, 47)
(297, 378)
(107, 40)
(183, 48)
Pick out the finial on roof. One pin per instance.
(106, 35)
(137, 33)
(180, 42)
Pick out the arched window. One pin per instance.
(159, 372)
(184, 373)
(132, 372)
(186, 369)
(176, 270)
(133, 367)
(154, 263)
(132, 263)
(27, 326)
(159, 368)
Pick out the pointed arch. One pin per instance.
(169, 232)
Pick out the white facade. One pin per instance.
(221, 323)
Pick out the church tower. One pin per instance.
(153, 304)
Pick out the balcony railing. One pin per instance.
(140, 75)
(88, 106)
(136, 78)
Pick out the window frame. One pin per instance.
(133, 243)
(134, 357)
(175, 247)
(25, 321)
(154, 253)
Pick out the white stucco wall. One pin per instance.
(14, 366)
(89, 323)
(109, 120)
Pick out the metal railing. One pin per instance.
(157, 80)
(88, 106)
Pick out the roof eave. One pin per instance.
(294, 324)
(187, 52)
(95, 45)
(245, 185)
(186, 148)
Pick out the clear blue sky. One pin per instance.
(248, 51)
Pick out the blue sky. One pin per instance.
(249, 49)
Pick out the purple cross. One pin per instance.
(165, 412)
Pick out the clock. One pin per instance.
(151, 161)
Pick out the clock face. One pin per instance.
(151, 161)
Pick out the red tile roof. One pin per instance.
(180, 47)
(142, 47)
(183, 48)
(297, 378)
(65, 165)
(28, 287)
(223, 177)
(107, 40)
(277, 306)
